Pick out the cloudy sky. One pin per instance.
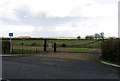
(58, 18)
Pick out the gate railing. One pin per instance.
(52, 46)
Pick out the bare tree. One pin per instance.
(96, 35)
(78, 37)
(89, 37)
(102, 35)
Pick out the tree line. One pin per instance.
(95, 36)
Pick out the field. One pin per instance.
(63, 45)
(60, 42)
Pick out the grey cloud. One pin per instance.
(25, 17)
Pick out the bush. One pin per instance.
(63, 45)
(34, 44)
(111, 50)
(5, 47)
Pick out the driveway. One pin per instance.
(43, 67)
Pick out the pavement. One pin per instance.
(34, 67)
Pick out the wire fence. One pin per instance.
(93, 46)
(23, 49)
(53, 46)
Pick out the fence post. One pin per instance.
(45, 44)
(22, 47)
(54, 47)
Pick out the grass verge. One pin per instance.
(111, 62)
(78, 49)
(22, 51)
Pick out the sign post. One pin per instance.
(10, 35)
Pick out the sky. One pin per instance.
(58, 18)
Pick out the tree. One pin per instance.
(96, 35)
(102, 35)
(78, 37)
(89, 37)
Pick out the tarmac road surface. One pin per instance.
(33, 67)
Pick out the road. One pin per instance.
(33, 67)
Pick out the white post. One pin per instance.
(10, 35)
(10, 44)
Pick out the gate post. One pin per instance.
(54, 47)
(45, 44)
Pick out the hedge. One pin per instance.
(111, 50)
(5, 47)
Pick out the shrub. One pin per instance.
(5, 47)
(34, 44)
(111, 50)
(63, 45)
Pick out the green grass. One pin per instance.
(68, 42)
(71, 41)
(28, 42)
(20, 51)
(78, 49)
